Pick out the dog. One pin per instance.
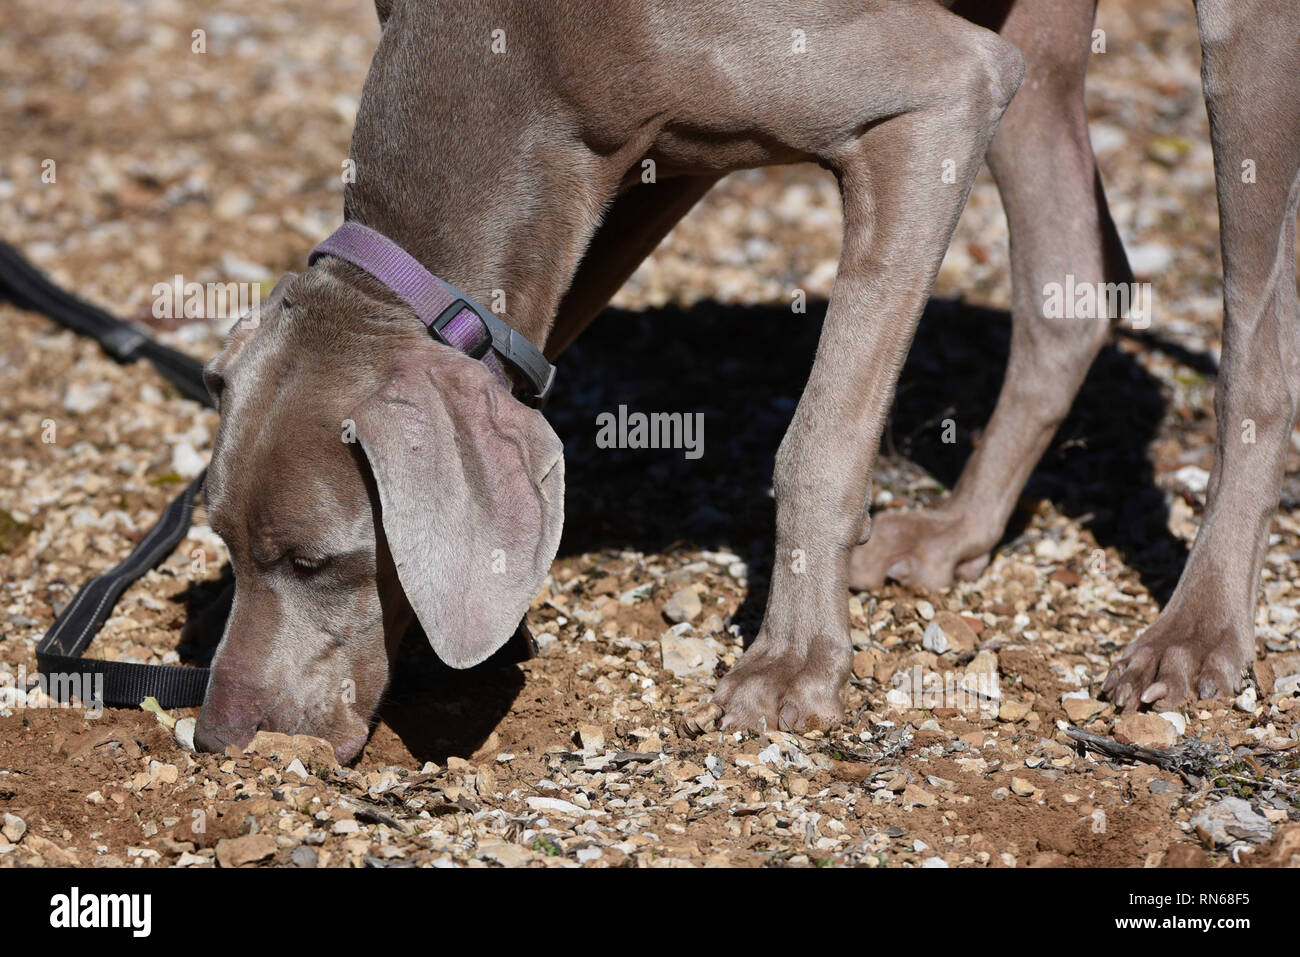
(366, 473)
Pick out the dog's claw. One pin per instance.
(703, 719)
(1155, 692)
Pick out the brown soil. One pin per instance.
(226, 164)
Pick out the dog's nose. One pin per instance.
(215, 737)
(232, 713)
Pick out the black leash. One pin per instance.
(26, 287)
(58, 654)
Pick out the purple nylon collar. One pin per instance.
(451, 316)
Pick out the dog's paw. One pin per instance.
(1175, 662)
(777, 689)
(927, 549)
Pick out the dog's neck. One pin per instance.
(488, 187)
(485, 182)
(513, 244)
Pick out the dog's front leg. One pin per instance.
(899, 216)
(1205, 638)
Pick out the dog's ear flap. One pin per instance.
(471, 491)
(216, 370)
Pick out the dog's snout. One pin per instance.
(216, 737)
(232, 714)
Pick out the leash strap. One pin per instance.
(453, 317)
(26, 287)
(124, 684)
(58, 653)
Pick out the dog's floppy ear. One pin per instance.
(217, 368)
(471, 491)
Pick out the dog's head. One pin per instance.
(362, 472)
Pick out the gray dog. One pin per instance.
(366, 471)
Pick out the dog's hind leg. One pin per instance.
(899, 216)
(1060, 226)
(1204, 639)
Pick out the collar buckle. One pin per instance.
(462, 337)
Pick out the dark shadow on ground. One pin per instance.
(438, 711)
(207, 605)
(744, 367)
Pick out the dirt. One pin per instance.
(225, 165)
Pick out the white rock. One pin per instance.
(84, 398)
(232, 204)
(1193, 478)
(1149, 259)
(557, 806)
(1232, 818)
(898, 699)
(685, 656)
(186, 462)
(1177, 720)
(591, 737)
(634, 595)
(1283, 615)
(1106, 137)
(684, 605)
(241, 270)
(184, 732)
(506, 854)
(14, 828)
(1286, 686)
(934, 639)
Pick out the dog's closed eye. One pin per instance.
(341, 568)
(308, 565)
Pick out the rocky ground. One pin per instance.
(224, 165)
